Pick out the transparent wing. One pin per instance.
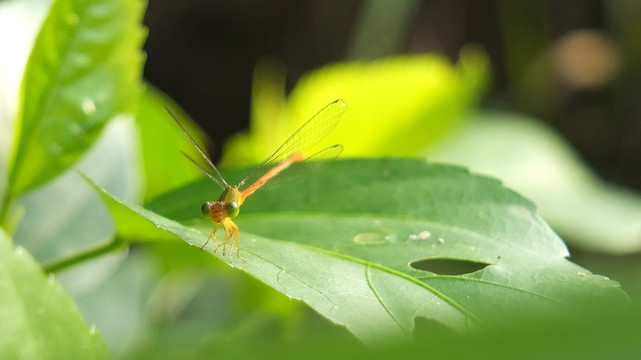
(311, 164)
(304, 139)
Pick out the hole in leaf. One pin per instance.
(448, 266)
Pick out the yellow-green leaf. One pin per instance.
(397, 106)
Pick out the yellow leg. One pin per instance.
(211, 234)
(227, 223)
(232, 232)
(235, 234)
(223, 243)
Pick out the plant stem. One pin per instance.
(85, 254)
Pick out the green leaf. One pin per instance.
(533, 159)
(39, 320)
(84, 69)
(396, 106)
(19, 25)
(345, 240)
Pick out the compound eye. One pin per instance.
(232, 209)
(205, 209)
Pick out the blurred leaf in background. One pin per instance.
(396, 106)
(580, 80)
(80, 74)
(533, 159)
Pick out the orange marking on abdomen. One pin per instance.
(293, 158)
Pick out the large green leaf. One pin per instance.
(38, 319)
(84, 69)
(352, 240)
